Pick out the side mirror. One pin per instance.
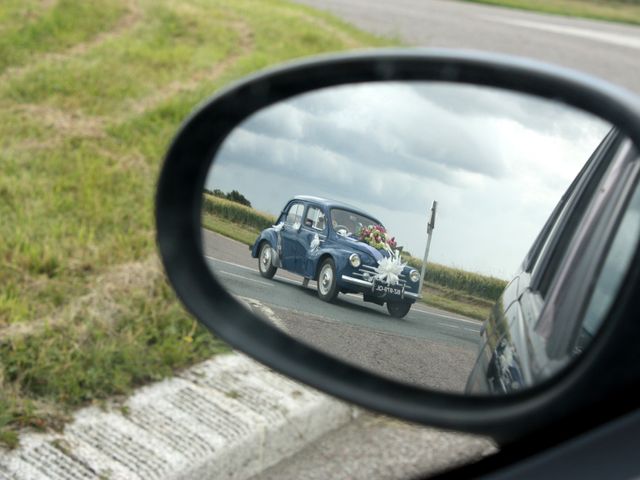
(535, 171)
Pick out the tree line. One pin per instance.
(233, 195)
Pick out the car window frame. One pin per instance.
(594, 233)
(313, 229)
(291, 205)
(597, 250)
(632, 197)
(543, 260)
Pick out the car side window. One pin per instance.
(294, 216)
(315, 219)
(614, 268)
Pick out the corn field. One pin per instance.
(474, 284)
(236, 213)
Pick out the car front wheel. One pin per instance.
(327, 285)
(398, 309)
(265, 263)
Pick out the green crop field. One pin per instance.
(236, 213)
(91, 93)
(455, 279)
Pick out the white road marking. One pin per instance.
(266, 311)
(449, 325)
(230, 263)
(607, 37)
(459, 328)
(447, 316)
(245, 278)
(288, 280)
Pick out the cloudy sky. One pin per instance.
(497, 163)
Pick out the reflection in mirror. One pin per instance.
(383, 223)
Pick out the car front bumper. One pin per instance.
(369, 285)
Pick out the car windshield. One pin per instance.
(346, 223)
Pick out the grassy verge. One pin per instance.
(223, 226)
(91, 93)
(456, 302)
(623, 11)
(450, 289)
(236, 213)
(30, 26)
(107, 347)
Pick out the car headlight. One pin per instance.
(414, 275)
(354, 260)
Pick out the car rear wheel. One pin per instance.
(327, 285)
(265, 261)
(398, 309)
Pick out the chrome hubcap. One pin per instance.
(326, 279)
(266, 257)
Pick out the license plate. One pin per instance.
(381, 289)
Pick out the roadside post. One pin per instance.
(430, 226)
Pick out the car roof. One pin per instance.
(328, 203)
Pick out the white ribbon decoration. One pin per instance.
(278, 227)
(390, 268)
(315, 243)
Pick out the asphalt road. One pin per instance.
(607, 50)
(428, 347)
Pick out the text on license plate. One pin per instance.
(386, 289)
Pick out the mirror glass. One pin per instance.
(386, 224)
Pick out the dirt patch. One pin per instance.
(63, 122)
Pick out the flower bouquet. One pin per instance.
(377, 237)
(390, 267)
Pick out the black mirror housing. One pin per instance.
(590, 391)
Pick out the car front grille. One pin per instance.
(368, 272)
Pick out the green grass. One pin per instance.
(623, 11)
(28, 26)
(173, 39)
(94, 356)
(91, 94)
(456, 302)
(221, 225)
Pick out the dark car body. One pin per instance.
(292, 238)
(591, 235)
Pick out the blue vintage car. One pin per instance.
(316, 238)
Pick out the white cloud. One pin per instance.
(497, 162)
